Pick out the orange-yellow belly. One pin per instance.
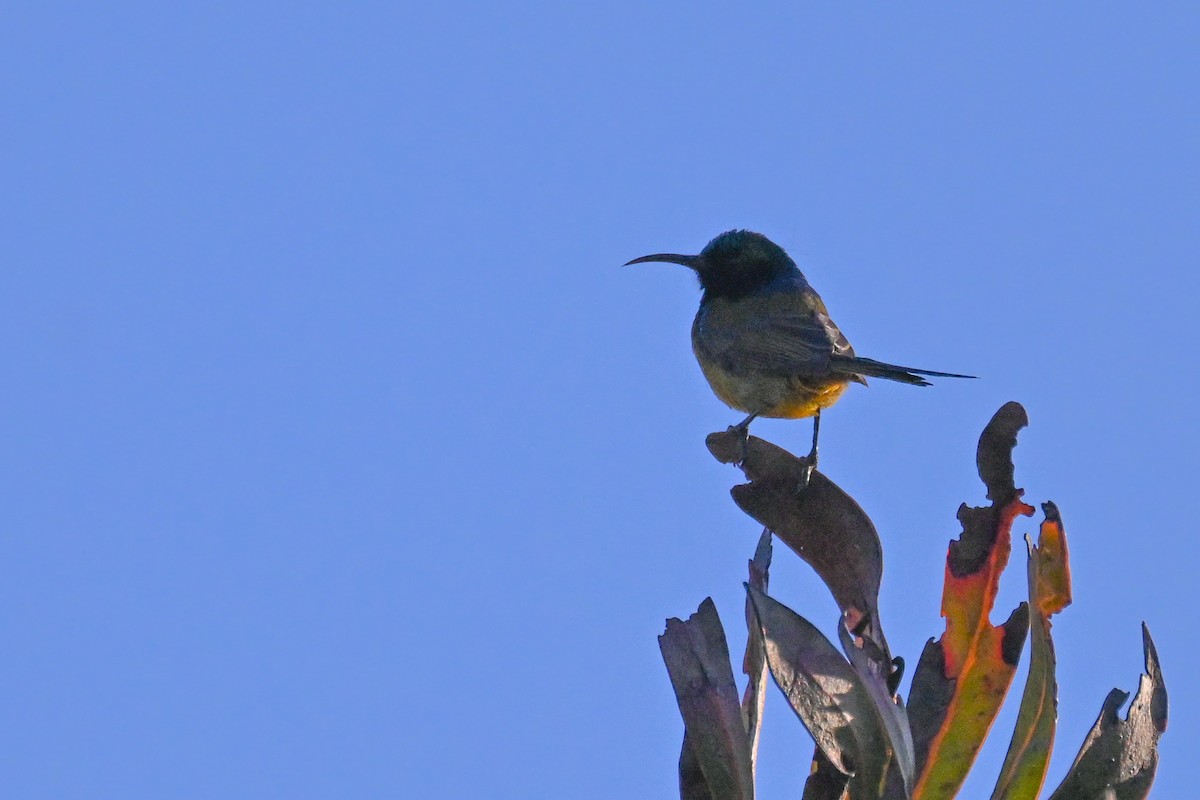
(807, 402)
(773, 395)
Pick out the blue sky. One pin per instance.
(342, 459)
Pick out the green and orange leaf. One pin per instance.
(962, 679)
(1024, 769)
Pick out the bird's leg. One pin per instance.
(812, 454)
(743, 429)
(745, 424)
(811, 461)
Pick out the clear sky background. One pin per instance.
(341, 458)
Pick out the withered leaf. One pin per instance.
(825, 781)
(754, 663)
(715, 742)
(1120, 756)
(819, 521)
(827, 695)
(875, 677)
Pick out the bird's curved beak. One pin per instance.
(692, 262)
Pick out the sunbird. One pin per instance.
(764, 339)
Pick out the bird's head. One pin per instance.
(734, 264)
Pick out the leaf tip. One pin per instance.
(1014, 631)
(993, 458)
(1158, 696)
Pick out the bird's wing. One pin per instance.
(786, 333)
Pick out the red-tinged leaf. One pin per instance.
(1024, 769)
(961, 679)
(715, 742)
(826, 694)
(1120, 756)
(819, 521)
(754, 663)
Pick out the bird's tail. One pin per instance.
(878, 369)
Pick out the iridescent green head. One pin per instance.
(734, 264)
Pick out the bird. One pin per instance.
(764, 339)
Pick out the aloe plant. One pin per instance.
(869, 743)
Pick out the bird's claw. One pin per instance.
(805, 477)
(743, 434)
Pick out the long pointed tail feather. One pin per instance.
(892, 372)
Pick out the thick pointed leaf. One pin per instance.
(826, 694)
(820, 522)
(754, 663)
(1120, 756)
(715, 741)
(1024, 769)
(961, 679)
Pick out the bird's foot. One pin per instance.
(810, 466)
(805, 477)
(743, 439)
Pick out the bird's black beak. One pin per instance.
(692, 262)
